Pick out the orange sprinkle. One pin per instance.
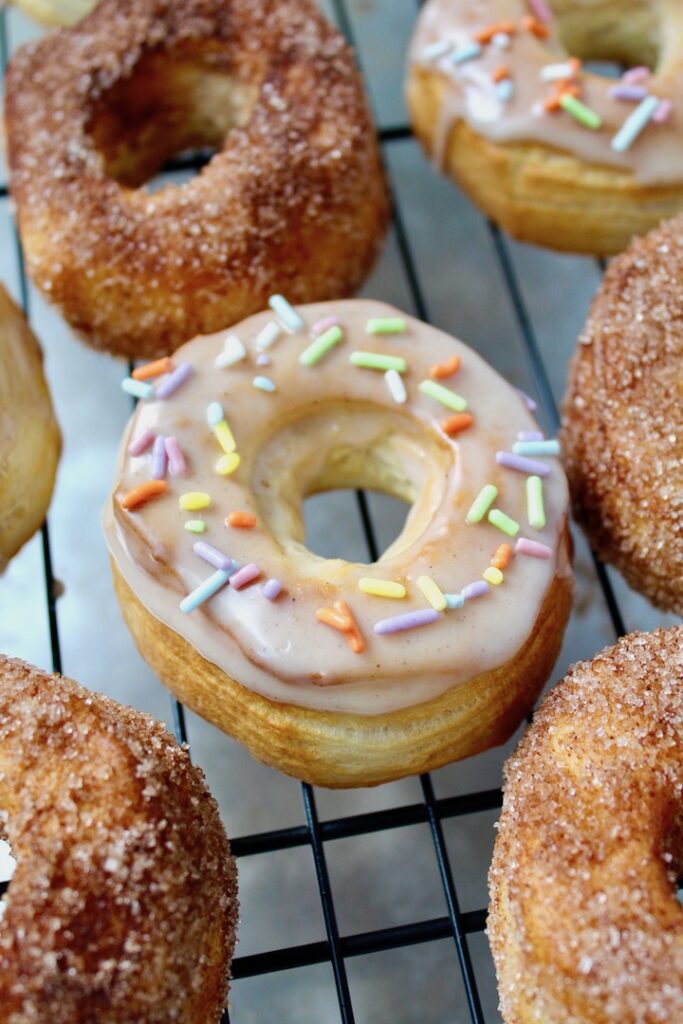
(154, 369)
(447, 369)
(143, 493)
(500, 74)
(568, 89)
(242, 520)
(502, 557)
(341, 618)
(575, 64)
(452, 425)
(536, 27)
(552, 103)
(485, 35)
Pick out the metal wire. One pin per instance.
(455, 924)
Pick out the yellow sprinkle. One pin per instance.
(224, 437)
(493, 576)
(381, 588)
(227, 464)
(432, 592)
(192, 501)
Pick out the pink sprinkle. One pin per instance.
(141, 443)
(271, 589)
(159, 459)
(176, 459)
(540, 9)
(323, 325)
(636, 76)
(663, 112)
(524, 546)
(247, 574)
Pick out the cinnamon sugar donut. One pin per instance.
(123, 904)
(584, 922)
(294, 200)
(340, 673)
(622, 436)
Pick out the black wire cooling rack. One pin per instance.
(456, 924)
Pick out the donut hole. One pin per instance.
(168, 105)
(628, 34)
(334, 527)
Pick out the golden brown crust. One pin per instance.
(584, 922)
(536, 193)
(30, 441)
(622, 437)
(123, 905)
(336, 749)
(294, 201)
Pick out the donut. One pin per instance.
(30, 441)
(621, 437)
(293, 200)
(554, 153)
(340, 673)
(584, 923)
(123, 904)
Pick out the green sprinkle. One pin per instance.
(195, 526)
(317, 349)
(385, 325)
(580, 112)
(534, 501)
(376, 361)
(503, 522)
(449, 398)
(482, 503)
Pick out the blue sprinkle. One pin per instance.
(214, 413)
(205, 590)
(466, 53)
(263, 384)
(137, 388)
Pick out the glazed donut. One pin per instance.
(584, 922)
(123, 904)
(294, 200)
(622, 439)
(340, 673)
(30, 441)
(555, 154)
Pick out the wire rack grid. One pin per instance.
(455, 925)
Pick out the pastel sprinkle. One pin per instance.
(143, 493)
(501, 40)
(409, 620)
(580, 112)
(503, 522)
(536, 447)
(557, 72)
(195, 526)
(663, 112)
(505, 90)
(540, 9)
(502, 557)
(320, 326)
(233, 352)
(204, 591)
(397, 388)
(442, 394)
(286, 314)
(482, 503)
(225, 437)
(432, 592)
(385, 325)
(493, 576)
(446, 369)
(271, 589)
(214, 413)
(321, 346)
(263, 359)
(531, 403)
(377, 361)
(636, 75)
(536, 26)
(268, 335)
(435, 50)
(141, 443)
(193, 501)
(137, 388)
(454, 601)
(534, 548)
(464, 53)
(476, 589)
(227, 464)
(453, 425)
(634, 124)
(241, 520)
(159, 458)
(522, 464)
(381, 588)
(264, 384)
(247, 574)
(535, 503)
(155, 369)
(530, 435)
(213, 556)
(340, 617)
(628, 93)
(486, 34)
(170, 384)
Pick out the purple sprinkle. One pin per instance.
(141, 442)
(176, 459)
(629, 93)
(409, 620)
(662, 112)
(636, 76)
(271, 589)
(522, 464)
(173, 381)
(263, 360)
(530, 403)
(247, 574)
(530, 435)
(524, 546)
(159, 460)
(213, 556)
(476, 589)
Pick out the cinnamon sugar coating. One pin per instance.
(123, 904)
(584, 922)
(622, 434)
(294, 201)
